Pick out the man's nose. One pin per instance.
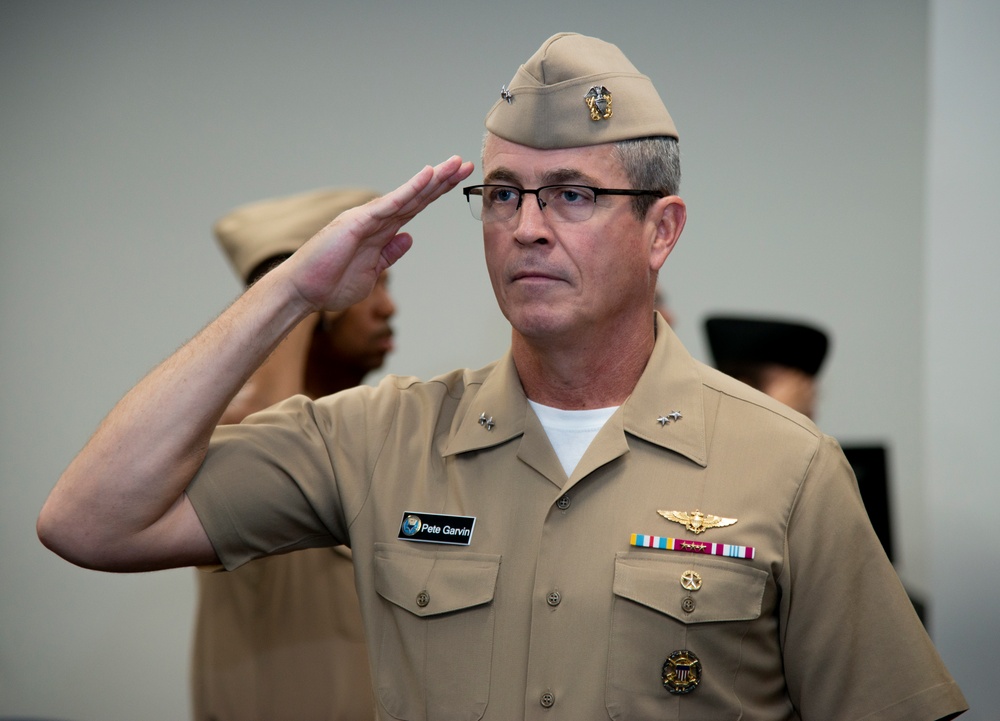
(532, 224)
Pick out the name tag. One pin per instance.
(435, 528)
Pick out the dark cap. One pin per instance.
(762, 340)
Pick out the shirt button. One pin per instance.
(563, 503)
(687, 605)
(548, 700)
(553, 598)
(423, 598)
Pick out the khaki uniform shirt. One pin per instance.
(281, 638)
(549, 612)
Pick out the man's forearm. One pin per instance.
(120, 505)
(282, 375)
(132, 472)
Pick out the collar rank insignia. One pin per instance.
(665, 420)
(696, 521)
(598, 99)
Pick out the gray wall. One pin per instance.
(961, 386)
(821, 178)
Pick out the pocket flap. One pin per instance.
(729, 591)
(434, 582)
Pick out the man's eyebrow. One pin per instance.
(568, 175)
(502, 175)
(556, 176)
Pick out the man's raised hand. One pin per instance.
(339, 266)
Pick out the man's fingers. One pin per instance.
(362, 242)
(446, 176)
(396, 248)
(425, 187)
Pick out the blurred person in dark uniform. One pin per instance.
(780, 357)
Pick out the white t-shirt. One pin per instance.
(570, 432)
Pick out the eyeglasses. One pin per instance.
(560, 203)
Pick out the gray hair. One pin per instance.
(650, 164)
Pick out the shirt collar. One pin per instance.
(495, 414)
(666, 407)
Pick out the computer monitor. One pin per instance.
(870, 465)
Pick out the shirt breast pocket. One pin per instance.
(698, 604)
(437, 623)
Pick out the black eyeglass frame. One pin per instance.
(470, 190)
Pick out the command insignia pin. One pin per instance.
(599, 102)
(691, 580)
(681, 672)
(696, 521)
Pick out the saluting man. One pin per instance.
(647, 537)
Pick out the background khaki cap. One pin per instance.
(258, 231)
(545, 105)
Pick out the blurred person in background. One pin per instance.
(779, 357)
(281, 637)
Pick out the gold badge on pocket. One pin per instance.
(681, 672)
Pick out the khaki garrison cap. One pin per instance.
(258, 231)
(576, 91)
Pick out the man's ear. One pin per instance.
(669, 215)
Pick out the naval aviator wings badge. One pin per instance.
(696, 521)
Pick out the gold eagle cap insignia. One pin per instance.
(696, 521)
